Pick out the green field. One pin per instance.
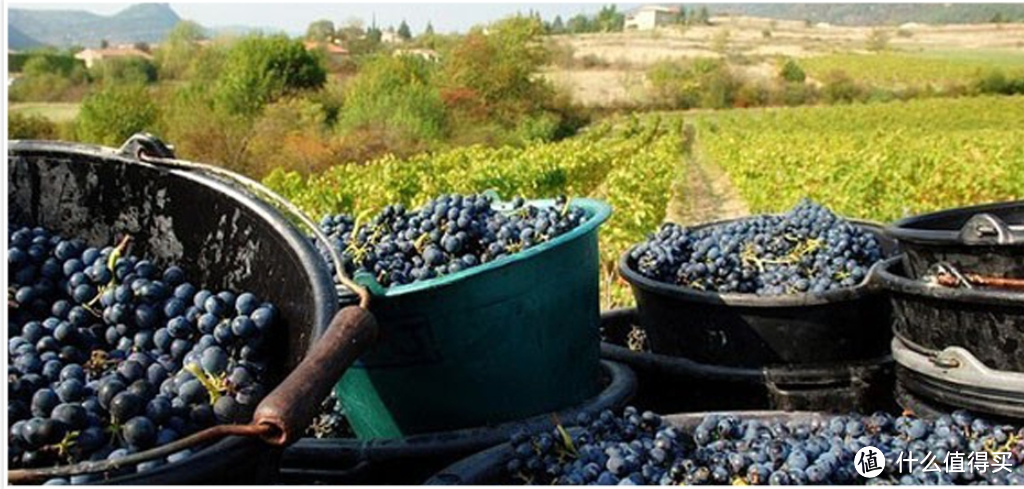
(934, 67)
(55, 111)
(880, 161)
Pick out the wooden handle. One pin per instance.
(295, 402)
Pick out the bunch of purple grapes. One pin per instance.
(110, 354)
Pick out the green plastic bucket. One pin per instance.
(506, 340)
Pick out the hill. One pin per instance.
(879, 14)
(18, 40)
(62, 28)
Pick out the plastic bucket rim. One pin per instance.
(903, 230)
(598, 212)
(895, 285)
(307, 255)
(863, 289)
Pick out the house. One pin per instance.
(389, 36)
(649, 17)
(92, 56)
(426, 54)
(334, 52)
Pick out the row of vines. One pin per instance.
(880, 162)
(631, 165)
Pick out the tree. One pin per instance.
(320, 31)
(609, 19)
(702, 17)
(179, 49)
(403, 31)
(142, 46)
(114, 113)
(499, 69)
(259, 70)
(579, 24)
(104, 44)
(374, 34)
(351, 30)
(429, 31)
(557, 25)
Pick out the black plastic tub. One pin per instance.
(986, 239)
(748, 330)
(987, 323)
(678, 384)
(488, 466)
(413, 459)
(958, 347)
(221, 236)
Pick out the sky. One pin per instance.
(295, 17)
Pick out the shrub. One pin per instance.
(50, 63)
(395, 92)
(793, 94)
(290, 134)
(259, 70)
(752, 95)
(792, 72)
(996, 82)
(50, 77)
(840, 88)
(201, 130)
(25, 126)
(114, 113)
(132, 70)
(698, 83)
(878, 40)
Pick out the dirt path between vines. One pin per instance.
(704, 192)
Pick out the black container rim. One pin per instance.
(620, 386)
(906, 230)
(775, 373)
(898, 284)
(322, 283)
(864, 288)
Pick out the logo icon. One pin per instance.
(869, 462)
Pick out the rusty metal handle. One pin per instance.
(949, 280)
(291, 406)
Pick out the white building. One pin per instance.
(93, 56)
(389, 36)
(649, 17)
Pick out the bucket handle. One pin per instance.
(957, 365)
(987, 229)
